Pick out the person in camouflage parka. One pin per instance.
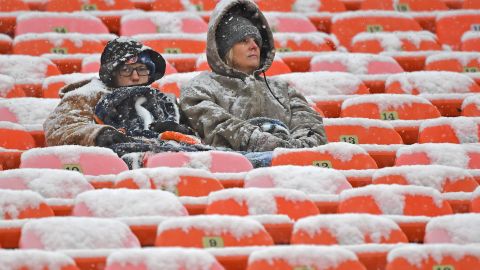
(234, 108)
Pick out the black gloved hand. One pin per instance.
(110, 136)
(162, 126)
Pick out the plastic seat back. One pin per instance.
(465, 62)
(174, 258)
(173, 82)
(19, 110)
(453, 229)
(289, 22)
(162, 22)
(450, 26)
(405, 5)
(394, 200)
(456, 155)
(75, 158)
(211, 231)
(304, 257)
(450, 130)
(355, 63)
(59, 23)
(470, 41)
(471, 106)
(389, 107)
(5, 44)
(346, 229)
(36, 259)
(13, 5)
(361, 131)
(15, 136)
(320, 6)
(89, 5)
(395, 42)
(310, 180)
(53, 43)
(261, 201)
(21, 204)
(174, 44)
(340, 156)
(346, 25)
(433, 257)
(316, 42)
(7, 88)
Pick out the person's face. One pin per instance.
(246, 55)
(132, 74)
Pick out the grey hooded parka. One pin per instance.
(220, 105)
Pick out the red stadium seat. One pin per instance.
(452, 229)
(359, 178)
(173, 82)
(475, 202)
(433, 257)
(38, 44)
(36, 259)
(52, 85)
(456, 155)
(21, 204)
(319, 12)
(162, 22)
(13, 5)
(304, 257)
(383, 154)
(346, 25)
(7, 88)
(261, 201)
(470, 41)
(361, 131)
(340, 156)
(442, 178)
(212, 231)
(289, 22)
(452, 25)
(450, 130)
(175, 258)
(174, 44)
(74, 158)
(471, 106)
(405, 5)
(181, 182)
(316, 42)
(5, 44)
(346, 229)
(15, 136)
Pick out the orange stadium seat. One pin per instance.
(7, 88)
(434, 257)
(179, 5)
(173, 82)
(13, 5)
(452, 25)
(15, 136)
(319, 12)
(452, 229)
(471, 106)
(261, 201)
(152, 259)
(304, 257)
(450, 130)
(389, 107)
(465, 62)
(74, 158)
(162, 22)
(38, 44)
(213, 161)
(171, 43)
(346, 25)
(359, 178)
(55, 22)
(316, 42)
(475, 201)
(470, 41)
(394, 200)
(347, 229)
(471, 4)
(208, 231)
(383, 154)
(405, 5)
(5, 44)
(9, 10)
(457, 155)
(181, 182)
(340, 156)
(289, 22)
(371, 68)
(36, 259)
(361, 131)
(28, 72)
(442, 178)
(21, 204)
(52, 85)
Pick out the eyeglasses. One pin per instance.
(127, 70)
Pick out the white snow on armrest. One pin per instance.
(406, 123)
(59, 202)
(459, 12)
(333, 198)
(193, 200)
(306, 6)
(457, 196)
(57, 39)
(392, 41)
(7, 83)
(68, 78)
(358, 173)
(11, 126)
(179, 78)
(315, 38)
(142, 220)
(230, 176)
(316, 98)
(401, 219)
(463, 57)
(446, 96)
(373, 248)
(62, 15)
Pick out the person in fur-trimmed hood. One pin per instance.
(118, 110)
(235, 106)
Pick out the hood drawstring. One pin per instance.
(268, 86)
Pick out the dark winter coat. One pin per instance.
(222, 105)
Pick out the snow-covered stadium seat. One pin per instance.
(454, 229)
(310, 180)
(471, 41)
(417, 257)
(451, 25)
(289, 22)
(36, 259)
(261, 201)
(46, 22)
(336, 155)
(75, 158)
(394, 200)
(442, 178)
(456, 155)
(173, 82)
(162, 22)
(5, 44)
(9, 10)
(89, 5)
(173, 43)
(405, 5)
(207, 231)
(52, 85)
(471, 106)
(15, 136)
(290, 42)
(179, 181)
(21, 204)
(304, 257)
(361, 131)
(28, 72)
(389, 107)
(179, 5)
(450, 130)
(346, 25)
(466, 62)
(213, 161)
(154, 259)
(347, 229)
